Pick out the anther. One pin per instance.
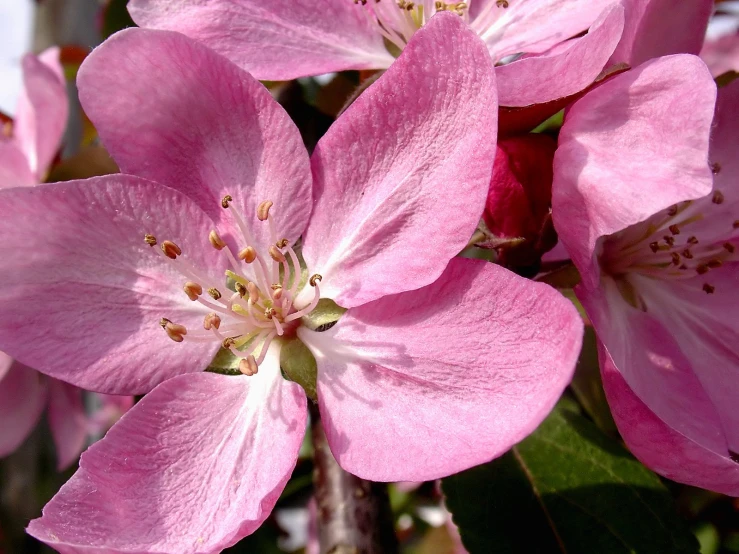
(715, 263)
(170, 249)
(253, 292)
(269, 313)
(247, 254)
(163, 322)
(263, 210)
(282, 243)
(151, 240)
(729, 247)
(276, 292)
(715, 167)
(683, 267)
(502, 3)
(701, 269)
(228, 342)
(693, 240)
(241, 289)
(718, 197)
(276, 255)
(736, 224)
(226, 201)
(675, 258)
(216, 241)
(214, 293)
(672, 211)
(248, 366)
(211, 321)
(193, 290)
(674, 229)
(688, 254)
(315, 279)
(709, 289)
(175, 332)
(669, 241)
(654, 246)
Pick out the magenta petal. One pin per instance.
(68, 422)
(82, 292)
(277, 39)
(402, 176)
(661, 447)
(22, 399)
(42, 110)
(170, 110)
(5, 363)
(549, 76)
(724, 148)
(660, 27)
(415, 390)
(192, 468)
(629, 149)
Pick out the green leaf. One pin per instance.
(567, 488)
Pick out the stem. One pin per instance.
(354, 515)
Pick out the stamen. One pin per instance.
(709, 289)
(315, 279)
(687, 254)
(241, 289)
(269, 313)
(715, 263)
(253, 292)
(263, 210)
(248, 366)
(193, 290)
(674, 229)
(672, 211)
(214, 293)
(675, 258)
(282, 243)
(718, 197)
(151, 240)
(654, 246)
(276, 292)
(276, 255)
(211, 321)
(502, 3)
(736, 224)
(247, 254)
(216, 241)
(174, 331)
(227, 343)
(669, 240)
(729, 247)
(702, 269)
(715, 167)
(171, 250)
(226, 201)
(692, 240)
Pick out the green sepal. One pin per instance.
(298, 365)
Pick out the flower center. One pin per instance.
(677, 243)
(245, 314)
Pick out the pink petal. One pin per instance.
(660, 27)
(42, 111)
(14, 169)
(566, 71)
(535, 26)
(402, 175)
(83, 294)
(661, 447)
(22, 399)
(415, 390)
(629, 149)
(724, 148)
(202, 126)
(192, 468)
(274, 40)
(5, 363)
(68, 422)
(721, 55)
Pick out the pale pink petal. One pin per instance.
(5, 363)
(14, 169)
(105, 411)
(22, 399)
(82, 292)
(660, 27)
(566, 71)
(277, 39)
(629, 149)
(402, 175)
(534, 25)
(659, 446)
(42, 111)
(413, 389)
(171, 110)
(68, 422)
(192, 468)
(722, 54)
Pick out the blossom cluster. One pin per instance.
(232, 277)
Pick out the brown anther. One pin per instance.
(688, 254)
(675, 258)
(269, 313)
(247, 254)
(736, 224)
(248, 366)
(163, 322)
(253, 292)
(228, 342)
(214, 293)
(715, 263)
(193, 290)
(226, 201)
(669, 240)
(151, 240)
(709, 289)
(715, 167)
(502, 3)
(175, 332)
(654, 246)
(263, 210)
(672, 211)
(718, 197)
(692, 240)
(216, 241)
(276, 255)
(683, 267)
(212, 321)
(241, 289)
(282, 243)
(701, 269)
(276, 292)
(674, 229)
(170, 249)
(315, 279)
(730, 248)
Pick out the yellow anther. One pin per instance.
(226, 201)
(214, 293)
(315, 279)
(211, 321)
(170, 249)
(193, 290)
(247, 254)
(263, 210)
(216, 241)
(276, 255)
(151, 240)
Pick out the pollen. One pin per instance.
(151, 240)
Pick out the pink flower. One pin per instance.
(722, 54)
(655, 240)
(423, 375)
(284, 39)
